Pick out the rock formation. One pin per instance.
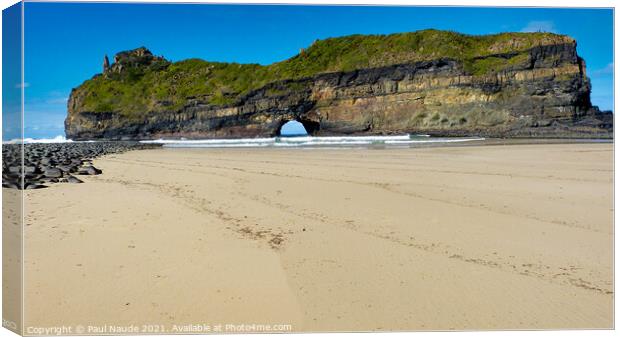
(34, 166)
(434, 82)
(106, 64)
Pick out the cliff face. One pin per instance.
(506, 85)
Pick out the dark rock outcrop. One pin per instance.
(45, 164)
(106, 64)
(539, 91)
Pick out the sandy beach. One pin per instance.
(476, 237)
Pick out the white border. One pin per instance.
(485, 3)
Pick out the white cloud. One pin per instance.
(19, 85)
(62, 100)
(609, 69)
(539, 26)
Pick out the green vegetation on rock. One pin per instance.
(139, 83)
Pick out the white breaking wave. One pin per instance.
(307, 141)
(57, 139)
(438, 140)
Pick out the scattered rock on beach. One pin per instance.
(52, 172)
(44, 164)
(10, 185)
(89, 170)
(34, 186)
(73, 180)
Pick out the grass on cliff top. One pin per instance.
(136, 91)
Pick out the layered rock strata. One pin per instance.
(534, 89)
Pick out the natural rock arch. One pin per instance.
(293, 128)
(312, 127)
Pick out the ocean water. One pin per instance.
(287, 142)
(310, 142)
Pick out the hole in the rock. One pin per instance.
(293, 128)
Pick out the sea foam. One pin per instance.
(307, 141)
(57, 139)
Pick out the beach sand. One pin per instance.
(11, 261)
(476, 237)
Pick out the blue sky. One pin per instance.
(65, 43)
(11, 76)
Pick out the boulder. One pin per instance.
(52, 172)
(89, 170)
(73, 180)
